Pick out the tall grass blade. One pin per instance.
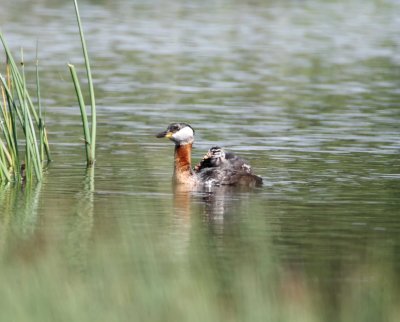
(17, 106)
(17, 81)
(4, 173)
(5, 159)
(32, 149)
(13, 113)
(82, 107)
(39, 102)
(7, 129)
(5, 154)
(91, 89)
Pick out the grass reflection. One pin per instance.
(136, 279)
(80, 225)
(210, 260)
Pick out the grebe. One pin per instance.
(216, 168)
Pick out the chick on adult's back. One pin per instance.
(225, 168)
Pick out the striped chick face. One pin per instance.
(216, 156)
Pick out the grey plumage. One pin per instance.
(225, 168)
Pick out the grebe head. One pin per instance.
(180, 133)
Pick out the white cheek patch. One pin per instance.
(183, 135)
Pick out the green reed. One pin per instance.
(19, 113)
(89, 134)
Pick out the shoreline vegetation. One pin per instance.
(24, 144)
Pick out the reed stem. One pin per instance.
(91, 159)
(82, 106)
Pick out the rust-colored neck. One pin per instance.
(183, 172)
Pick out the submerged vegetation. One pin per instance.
(22, 124)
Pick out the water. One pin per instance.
(308, 92)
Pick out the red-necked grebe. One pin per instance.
(216, 168)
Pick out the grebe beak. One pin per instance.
(165, 134)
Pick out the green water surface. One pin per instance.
(307, 91)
